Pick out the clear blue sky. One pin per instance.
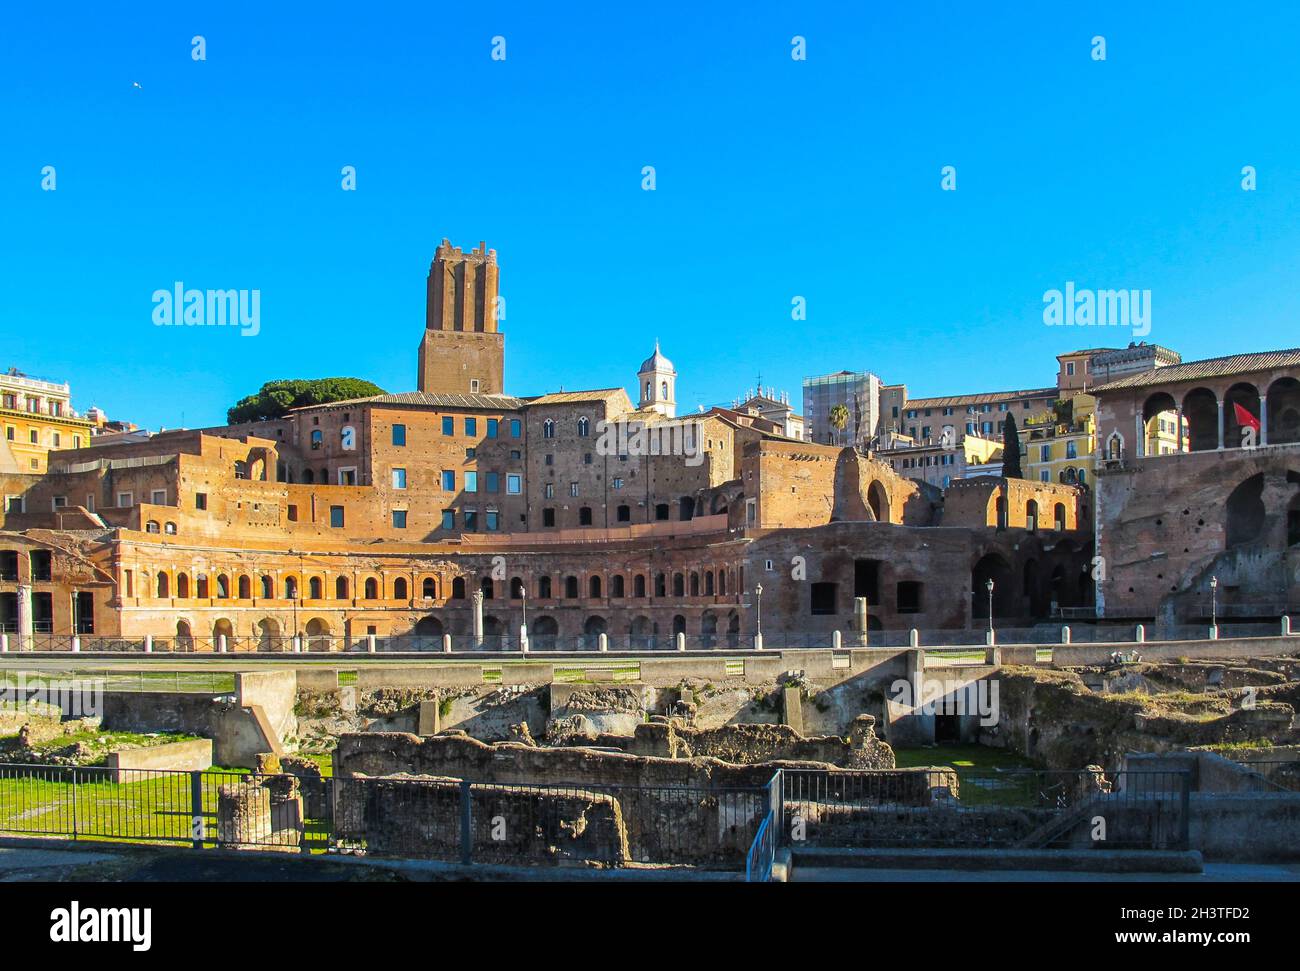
(776, 178)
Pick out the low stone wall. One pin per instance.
(1246, 827)
(1081, 655)
(189, 756)
(420, 817)
(749, 744)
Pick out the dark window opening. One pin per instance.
(823, 598)
(909, 597)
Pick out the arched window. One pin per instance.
(661, 585)
(245, 588)
(268, 588)
(708, 584)
(638, 586)
(543, 588)
(151, 526)
(371, 588)
(170, 529)
(487, 587)
(223, 586)
(616, 588)
(663, 390)
(341, 588)
(679, 585)
(314, 587)
(164, 586)
(516, 588)
(695, 584)
(291, 588)
(182, 586)
(548, 429)
(570, 588)
(429, 589)
(458, 588)
(201, 587)
(399, 589)
(593, 586)
(316, 439)
(584, 427)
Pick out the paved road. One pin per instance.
(129, 864)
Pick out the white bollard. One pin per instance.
(4, 643)
(604, 643)
(221, 643)
(914, 637)
(1286, 625)
(523, 640)
(76, 644)
(1140, 634)
(370, 643)
(148, 643)
(681, 642)
(837, 639)
(989, 638)
(758, 641)
(1214, 632)
(446, 643)
(1065, 635)
(297, 643)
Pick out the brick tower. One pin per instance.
(462, 351)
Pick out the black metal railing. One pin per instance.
(946, 807)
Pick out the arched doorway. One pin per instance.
(318, 635)
(1241, 416)
(878, 500)
(545, 634)
(1245, 512)
(428, 634)
(268, 635)
(1006, 592)
(1160, 423)
(184, 637)
(1284, 411)
(1201, 413)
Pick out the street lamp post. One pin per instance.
(758, 600)
(1214, 605)
(989, 587)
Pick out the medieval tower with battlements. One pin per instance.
(462, 352)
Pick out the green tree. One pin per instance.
(275, 398)
(839, 418)
(1011, 449)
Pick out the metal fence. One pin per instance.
(1284, 774)
(603, 825)
(158, 806)
(944, 807)
(1045, 636)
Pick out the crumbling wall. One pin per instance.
(1052, 718)
(750, 744)
(421, 817)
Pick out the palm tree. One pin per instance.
(839, 418)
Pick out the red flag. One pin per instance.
(1245, 418)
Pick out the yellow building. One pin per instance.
(37, 418)
(1058, 445)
